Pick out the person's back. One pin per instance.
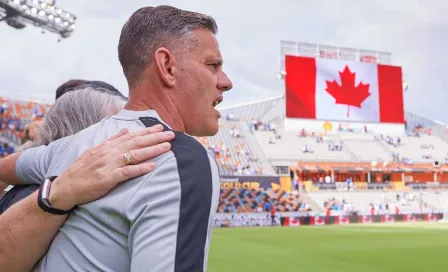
(147, 223)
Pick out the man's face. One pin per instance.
(200, 83)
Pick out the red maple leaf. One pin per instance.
(347, 93)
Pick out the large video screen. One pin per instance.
(329, 89)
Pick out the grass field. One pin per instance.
(418, 247)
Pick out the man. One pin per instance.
(272, 215)
(161, 221)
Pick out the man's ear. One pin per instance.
(165, 63)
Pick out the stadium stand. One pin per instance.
(15, 115)
(422, 148)
(281, 147)
(6, 148)
(435, 200)
(362, 201)
(290, 146)
(259, 200)
(233, 152)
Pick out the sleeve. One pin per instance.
(34, 163)
(170, 215)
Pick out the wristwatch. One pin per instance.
(43, 200)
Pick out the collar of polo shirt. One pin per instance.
(129, 115)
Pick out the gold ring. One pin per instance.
(127, 158)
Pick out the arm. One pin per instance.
(27, 231)
(31, 165)
(8, 174)
(3, 187)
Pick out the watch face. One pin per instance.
(46, 188)
(43, 199)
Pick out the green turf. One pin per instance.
(353, 248)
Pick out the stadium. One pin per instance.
(331, 175)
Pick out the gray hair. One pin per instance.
(75, 111)
(150, 28)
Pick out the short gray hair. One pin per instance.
(75, 111)
(150, 28)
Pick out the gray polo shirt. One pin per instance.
(161, 221)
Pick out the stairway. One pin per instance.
(255, 149)
(383, 145)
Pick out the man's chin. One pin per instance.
(209, 131)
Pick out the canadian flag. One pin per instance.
(389, 218)
(410, 218)
(343, 220)
(328, 89)
(432, 217)
(366, 219)
(319, 220)
(294, 221)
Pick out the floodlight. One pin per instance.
(40, 13)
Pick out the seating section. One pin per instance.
(355, 147)
(259, 200)
(232, 151)
(6, 148)
(337, 202)
(425, 148)
(362, 201)
(436, 200)
(15, 115)
(291, 147)
(368, 150)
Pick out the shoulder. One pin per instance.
(183, 142)
(46, 150)
(189, 151)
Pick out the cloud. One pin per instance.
(33, 65)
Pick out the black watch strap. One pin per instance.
(43, 199)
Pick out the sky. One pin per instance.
(33, 65)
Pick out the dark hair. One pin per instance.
(105, 87)
(150, 28)
(76, 84)
(68, 86)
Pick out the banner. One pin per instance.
(245, 220)
(365, 219)
(295, 220)
(317, 220)
(432, 217)
(387, 218)
(409, 218)
(362, 219)
(343, 220)
(290, 221)
(250, 182)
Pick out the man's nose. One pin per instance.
(224, 83)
